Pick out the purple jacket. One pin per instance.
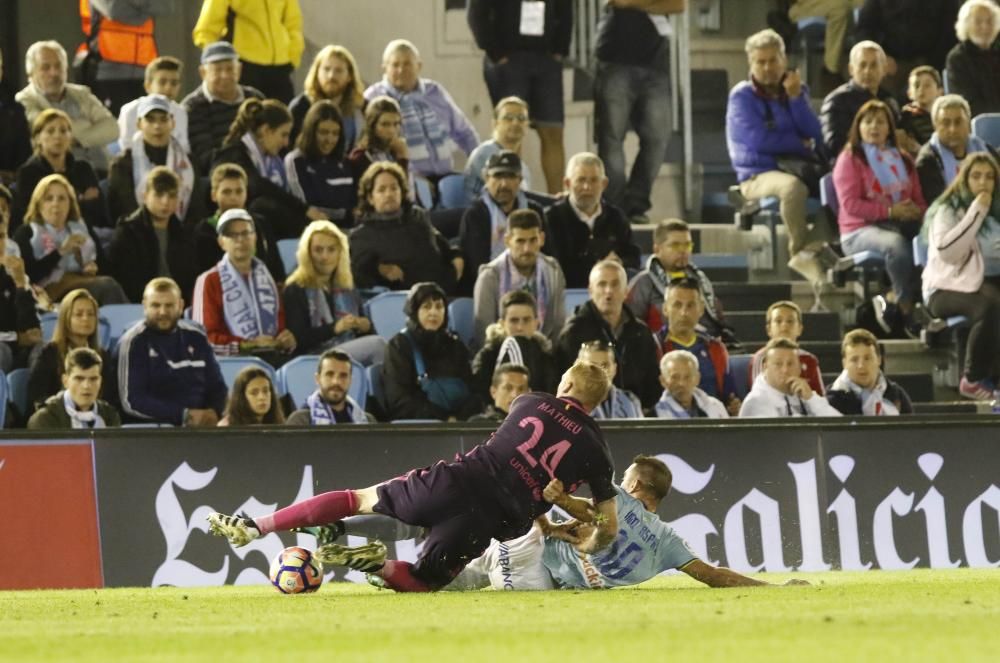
(433, 125)
(755, 140)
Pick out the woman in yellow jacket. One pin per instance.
(267, 35)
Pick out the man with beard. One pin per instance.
(330, 404)
(167, 372)
(521, 266)
(484, 224)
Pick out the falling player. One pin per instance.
(495, 491)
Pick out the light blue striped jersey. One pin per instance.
(645, 547)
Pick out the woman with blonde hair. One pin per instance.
(333, 76)
(322, 307)
(962, 275)
(58, 251)
(52, 140)
(253, 400)
(76, 327)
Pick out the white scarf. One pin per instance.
(250, 305)
(79, 418)
(873, 401)
(46, 238)
(320, 413)
(177, 161)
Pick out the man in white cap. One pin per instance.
(237, 301)
(213, 106)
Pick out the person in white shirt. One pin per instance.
(781, 391)
(682, 399)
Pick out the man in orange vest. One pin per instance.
(118, 44)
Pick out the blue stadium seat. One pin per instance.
(452, 191)
(17, 389)
(120, 317)
(461, 319)
(422, 191)
(297, 378)
(740, 365)
(375, 387)
(386, 313)
(575, 297)
(231, 366)
(987, 127)
(286, 251)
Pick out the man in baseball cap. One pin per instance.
(213, 106)
(481, 235)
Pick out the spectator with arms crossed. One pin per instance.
(167, 372)
(492, 492)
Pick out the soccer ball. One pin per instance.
(295, 571)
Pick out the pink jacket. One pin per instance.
(860, 206)
(954, 260)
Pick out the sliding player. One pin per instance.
(492, 492)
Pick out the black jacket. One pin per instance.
(121, 191)
(474, 240)
(285, 213)
(910, 29)
(135, 255)
(209, 122)
(577, 248)
(408, 240)
(45, 376)
(537, 356)
(495, 24)
(15, 135)
(840, 107)
(17, 306)
(636, 350)
(849, 403)
(929, 165)
(974, 73)
(446, 356)
(79, 173)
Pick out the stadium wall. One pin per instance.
(127, 507)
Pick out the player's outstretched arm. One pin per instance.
(577, 507)
(605, 528)
(720, 576)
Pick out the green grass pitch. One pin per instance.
(951, 616)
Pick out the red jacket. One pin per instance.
(207, 310)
